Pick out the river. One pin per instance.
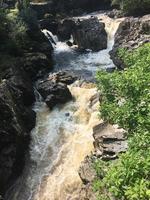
(62, 137)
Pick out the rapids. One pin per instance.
(63, 137)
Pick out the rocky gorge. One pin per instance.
(44, 144)
(16, 99)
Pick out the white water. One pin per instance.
(85, 65)
(63, 137)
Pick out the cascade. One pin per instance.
(63, 137)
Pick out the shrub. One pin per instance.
(126, 101)
(133, 6)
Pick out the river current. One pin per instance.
(62, 137)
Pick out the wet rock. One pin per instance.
(35, 63)
(65, 29)
(90, 34)
(54, 93)
(62, 77)
(49, 24)
(115, 13)
(69, 43)
(132, 33)
(67, 114)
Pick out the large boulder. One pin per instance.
(63, 77)
(54, 89)
(65, 29)
(90, 34)
(132, 33)
(36, 64)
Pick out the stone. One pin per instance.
(35, 63)
(65, 29)
(86, 171)
(62, 77)
(109, 141)
(90, 34)
(54, 93)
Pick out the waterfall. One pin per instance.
(52, 38)
(63, 137)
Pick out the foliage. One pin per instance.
(126, 101)
(13, 32)
(133, 6)
(14, 26)
(126, 95)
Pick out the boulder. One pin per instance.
(86, 171)
(115, 13)
(54, 89)
(90, 34)
(62, 77)
(65, 29)
(36, 64)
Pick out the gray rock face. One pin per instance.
(132, 33)
(109, 141)
(90, 34)
(16, 121)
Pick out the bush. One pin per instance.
(126, 94)
(126, 101)
(19, 32)
(13, 32)
(136, 7)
